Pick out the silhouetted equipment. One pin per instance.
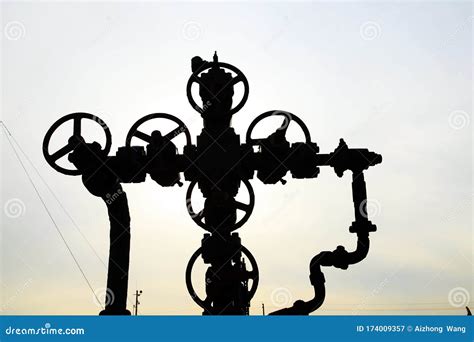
(218, 164)
(137, 302)
(469, 313)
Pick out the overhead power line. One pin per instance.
(8, 135)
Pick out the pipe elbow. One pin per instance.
(340, 258)
(318, 300)
(301, 307)
(360, 253)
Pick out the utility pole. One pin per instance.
(263, 309)
(137, 294)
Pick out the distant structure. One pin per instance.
(137, 302)
(218, 164)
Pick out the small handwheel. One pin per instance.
(189, 269)
(75, 139)
(135, 132)
(240, 77)
(287, 119)
(199, 216)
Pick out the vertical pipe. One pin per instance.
(119, 253)
(359, 197)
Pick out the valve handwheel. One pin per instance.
(135, 132)
(254, 276)
(240, 77)
(287, 119)
(198, 217)
(75, 139)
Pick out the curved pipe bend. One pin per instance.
(301, 307)
(339, 258)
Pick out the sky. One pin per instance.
(395, 78)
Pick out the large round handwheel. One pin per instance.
(287, 119)
(75, 139)
(135, 132)
(198, 217)
(240, 77)
(189, 268)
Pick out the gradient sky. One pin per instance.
(395, 78)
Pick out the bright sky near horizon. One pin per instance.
(395, 78)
